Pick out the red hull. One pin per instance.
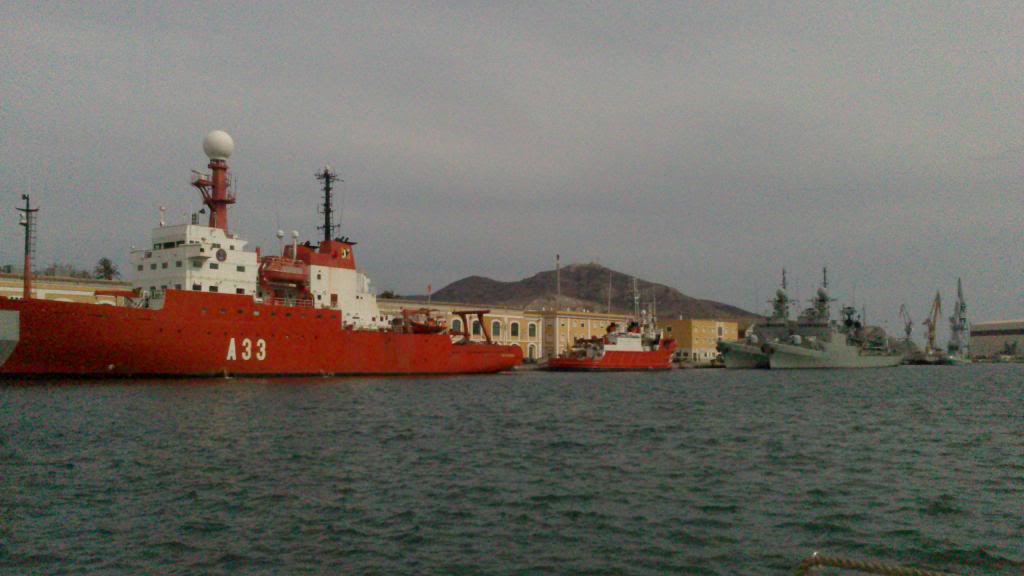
(199, 334)
(660, 359)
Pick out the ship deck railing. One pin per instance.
(289, 302)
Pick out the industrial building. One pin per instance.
(1001, 338)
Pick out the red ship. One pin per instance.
(203, 305)
(631, 350)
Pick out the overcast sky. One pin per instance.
(704, 145)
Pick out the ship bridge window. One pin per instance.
(213, 288)
(169, 244)
(240, 268)
(197, 287)
(239, 291)
(157, 246)
(214, 266)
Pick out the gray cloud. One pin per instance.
(705, 146)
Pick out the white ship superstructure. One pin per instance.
(197, 258)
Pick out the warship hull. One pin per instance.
(783, 356)
(742, 355)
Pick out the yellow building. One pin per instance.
(506, 325)
(698, 339)
(62, 288)
(561, 328)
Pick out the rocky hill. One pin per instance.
(585, 286)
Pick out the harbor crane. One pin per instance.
(908, 324)
(932, 322)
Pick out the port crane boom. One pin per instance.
(908, 324)
(932, 322)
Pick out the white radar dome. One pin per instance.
(218, 145)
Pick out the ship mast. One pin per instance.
(215, 186)
(28, 220)
(328, 177)
(636, 300)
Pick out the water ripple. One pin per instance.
(694, 472)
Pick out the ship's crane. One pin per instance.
(932, 322)
(908, 324)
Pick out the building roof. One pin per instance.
(997, 324)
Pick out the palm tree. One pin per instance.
(106, 269)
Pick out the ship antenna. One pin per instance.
(328, 177)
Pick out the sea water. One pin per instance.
(689, 471)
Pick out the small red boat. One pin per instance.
(633, 349)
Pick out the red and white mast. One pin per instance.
(215, 186)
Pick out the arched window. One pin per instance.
(456, 325)
(495, 329)
(532, 330)
(476, 327)
(513, 330)
(531, 352)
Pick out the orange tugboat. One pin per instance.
(633, 349)
(204, 305)
(639, 347)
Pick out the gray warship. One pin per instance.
(818, 342)
(749, 352)
(812, 341)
